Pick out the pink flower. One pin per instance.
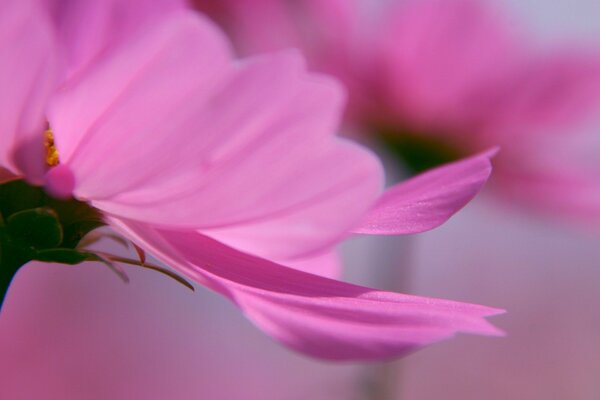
(453, 72)
(222, 168)
(473, 81)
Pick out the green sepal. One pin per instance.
(38, 228)
(63, 256)
(74, 232)
(76, 218)
(17, 196)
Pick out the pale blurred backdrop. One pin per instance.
(543, 272)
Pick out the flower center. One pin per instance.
(52, 159)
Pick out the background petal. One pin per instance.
(549, 94)
(152, 67)
(444, 62)
(88, 29)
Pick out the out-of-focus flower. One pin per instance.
(175, 144)
(440, 78)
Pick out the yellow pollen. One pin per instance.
(51, 152)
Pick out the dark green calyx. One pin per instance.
(418, 152)
(36, 226)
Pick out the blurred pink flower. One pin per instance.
(177, 145)
(452, 70)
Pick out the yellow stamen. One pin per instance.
(51, 152)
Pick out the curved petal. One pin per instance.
(89, 28)
(261, 146)
(328, 264)
(429, 199)
(346, 178)
(318, 316)
(250, 144)
(28, 74)
(148, 74)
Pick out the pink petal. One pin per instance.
(28, 73)
(314, 315)
(249, 144)
(429, 199)
(260, 148)
(326, 264)
(60, 182)
(313, 193)
(90, 28)
(145, 65)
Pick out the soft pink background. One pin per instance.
(545, 275)
(543, 272)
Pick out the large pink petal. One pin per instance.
(326, 264)
(88, 29)
(428, 200)
(261, 146)
(28, 73)
(148, 74)
(249, 144)
(317, 316)
(323, 198)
